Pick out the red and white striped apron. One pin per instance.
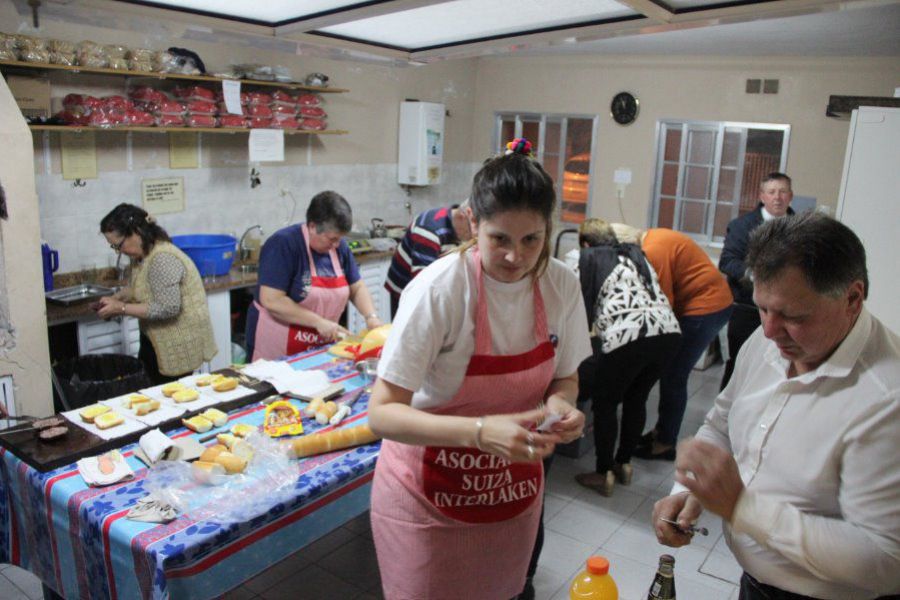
(326, 296)
(458, 523)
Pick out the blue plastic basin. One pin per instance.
(213, 254)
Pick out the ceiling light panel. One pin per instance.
(466, 20)
(270, 11)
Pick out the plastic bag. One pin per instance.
(269, 479)
(226, 120)
(91, 54)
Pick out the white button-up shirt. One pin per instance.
(819, 455)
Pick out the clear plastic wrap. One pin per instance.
(63, 58)
(313, 124)
(62, 46)
(313, 111)
(119, 62)
(32, 49)
(140, 118)
(226, 120)
(164, 62)
(116, 51)
(8, 49)
(268, 480)
(169, 107)
(91, 54)
(194, 92)
(140, 59)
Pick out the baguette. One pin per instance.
(337, 439)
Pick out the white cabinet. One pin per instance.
(122, 334)
(373, 273)
(116, 336)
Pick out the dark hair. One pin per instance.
(329, 211)
(827, 252)
(515, 182)
(775, 176)
(126, 219)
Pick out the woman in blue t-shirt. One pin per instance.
(306, 275)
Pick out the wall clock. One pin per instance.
(624, 108)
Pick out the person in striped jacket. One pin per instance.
(426, 240)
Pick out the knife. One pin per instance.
(346, 407)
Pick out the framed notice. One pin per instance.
(79, 155)
(162, 196)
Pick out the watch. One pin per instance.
(624, 108)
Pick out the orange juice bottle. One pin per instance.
(594, 583)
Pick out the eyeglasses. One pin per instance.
(117, 248)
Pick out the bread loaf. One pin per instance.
(227, 439)
(142, 408)
(210, 454)
(225, 384)
(325, 412)
(90, 413)
(171, 388)
(233, 464)
(198, 424)
(337, 439)
(185, 395)
(215, 415)
(313, 407)
(107, 420)
(134, 399)
(208, 379)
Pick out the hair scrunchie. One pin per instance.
(150, 219)
(519, 146)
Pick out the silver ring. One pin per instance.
(530, 451)
(530, 441)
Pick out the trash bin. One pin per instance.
(92, 377)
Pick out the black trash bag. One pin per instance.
(92, 377)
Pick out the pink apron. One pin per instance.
(458, 523)
(326, 296)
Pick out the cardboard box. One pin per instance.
(32, 94)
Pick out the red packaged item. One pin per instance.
(200, 107)
(313, 124)
(259, 122)
(309, 100)
(169, 107)
(258, 98)
(232, 121)
(313, 111)
(103, 118)
(200, 121)
(284, 122)
(194, 92)
(169, 120)
(117, 103)
(220, 98)
(140, 118)
(259, 110)
(223, 110)
(280, 108)
(147, 94)
(72, 118)
(83, 103)
(283, 96)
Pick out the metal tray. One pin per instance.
(78, 293)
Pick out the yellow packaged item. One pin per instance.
(282, 418)
(90, 413)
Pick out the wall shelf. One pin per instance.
(177, 76)
(231, 130)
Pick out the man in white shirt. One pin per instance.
(799, 455)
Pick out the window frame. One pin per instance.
(521, 117)
(687, 125)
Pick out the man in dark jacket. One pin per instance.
(775, 197)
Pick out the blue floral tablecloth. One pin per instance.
(78, 541)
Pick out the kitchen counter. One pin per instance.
(57, 314)
(371, 257)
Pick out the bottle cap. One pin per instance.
(598, 565)
(667, 558)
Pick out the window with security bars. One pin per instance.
(708, 173)
(564, 145)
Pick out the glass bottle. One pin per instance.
(663, 586)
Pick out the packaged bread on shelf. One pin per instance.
(185, 395)
(198, 424)
(215, 415)
(329, 441)
(89, 413)
(108, 420)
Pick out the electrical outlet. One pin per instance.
(7, 399)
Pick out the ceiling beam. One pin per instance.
(649, 9)
(352, 13)
(349, 45)
(155, 13)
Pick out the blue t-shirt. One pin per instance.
(284, 265)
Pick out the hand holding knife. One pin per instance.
(690, 530)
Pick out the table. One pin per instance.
(76, 539)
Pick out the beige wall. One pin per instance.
(29, 361)
(687, 88)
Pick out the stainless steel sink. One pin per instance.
(78, 293)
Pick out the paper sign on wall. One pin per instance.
(163, 195)
(266, 145)
(231, 91)
(183, 149)
(79, 155)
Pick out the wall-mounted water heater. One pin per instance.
(421, 143)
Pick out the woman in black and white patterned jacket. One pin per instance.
(634, 334)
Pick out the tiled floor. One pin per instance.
(579, 524)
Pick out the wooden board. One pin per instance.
(79, 443)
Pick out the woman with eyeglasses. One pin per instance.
(165, 293)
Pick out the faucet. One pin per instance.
(244, 252)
